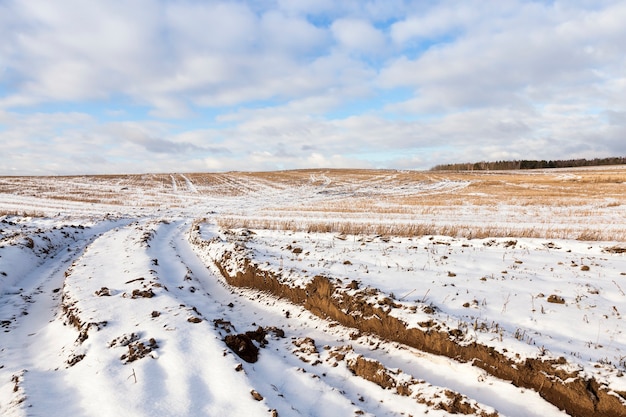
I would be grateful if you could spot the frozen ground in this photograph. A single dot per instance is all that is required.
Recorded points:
(109, 307)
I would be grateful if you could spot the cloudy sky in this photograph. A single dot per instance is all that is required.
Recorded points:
(187, 85)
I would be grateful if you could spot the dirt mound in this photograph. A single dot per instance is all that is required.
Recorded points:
(243, 346)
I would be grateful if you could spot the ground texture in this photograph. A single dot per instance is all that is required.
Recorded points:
(314, 293)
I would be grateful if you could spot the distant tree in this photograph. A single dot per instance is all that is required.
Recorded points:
(529, 164)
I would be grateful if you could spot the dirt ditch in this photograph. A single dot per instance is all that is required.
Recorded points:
(577, 395)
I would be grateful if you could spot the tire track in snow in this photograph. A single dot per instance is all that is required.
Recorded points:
(190, 185)
(27, 347)
(174, 185)
(287, 383)
(277, 372)
(146, 253)
(143, 302)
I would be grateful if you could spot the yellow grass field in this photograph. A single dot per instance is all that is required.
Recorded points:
(576, 203)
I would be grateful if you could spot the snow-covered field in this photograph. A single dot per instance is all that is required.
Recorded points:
(115, 295)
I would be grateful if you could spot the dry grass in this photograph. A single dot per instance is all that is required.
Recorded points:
(21, 213)
(468, 231)
(583, 203)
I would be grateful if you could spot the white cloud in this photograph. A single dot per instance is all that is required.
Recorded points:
(293, 35)
(489, 66)
(436, 22)
(219, 27)
(358, 35)
(277, 84)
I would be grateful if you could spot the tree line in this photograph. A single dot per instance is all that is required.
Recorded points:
(529, 164)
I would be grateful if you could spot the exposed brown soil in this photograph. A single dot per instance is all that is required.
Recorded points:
(243, 346)
(372, 371)
(556, 299)
(72, 318)
(143, 293)
(74, 359)
(390, 379)
(138, 350)
(103, 292)
(615, 249)
(124, 340)
(577, 395)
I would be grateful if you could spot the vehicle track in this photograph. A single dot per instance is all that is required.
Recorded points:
(30, 315)
(142, 283)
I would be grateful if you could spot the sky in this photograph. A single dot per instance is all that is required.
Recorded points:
(140, 86)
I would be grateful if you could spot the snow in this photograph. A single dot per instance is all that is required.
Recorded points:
(87, 282)
(479, 282)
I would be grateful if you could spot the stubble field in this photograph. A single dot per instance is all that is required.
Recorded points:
(314, 292)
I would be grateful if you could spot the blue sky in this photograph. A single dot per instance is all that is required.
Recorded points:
(183, 86)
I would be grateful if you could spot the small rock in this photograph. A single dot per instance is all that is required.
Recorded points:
(256, 395)
(553, 298)
(103, 292)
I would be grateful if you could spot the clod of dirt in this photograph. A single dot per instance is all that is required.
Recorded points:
(305, 345)
(194, 319)
(84, 330)
(278, 333)
(551, 245)
(553, 298)
(143, 293)
(74, 359)
(258, 336)
(155, 314)
(371, 370)
(256, 395)
(243, 346)
(430, 309)
(615, 249)
(138, 350)
(457, 404)
(103, 292)
(124, 340)
(223, 325)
